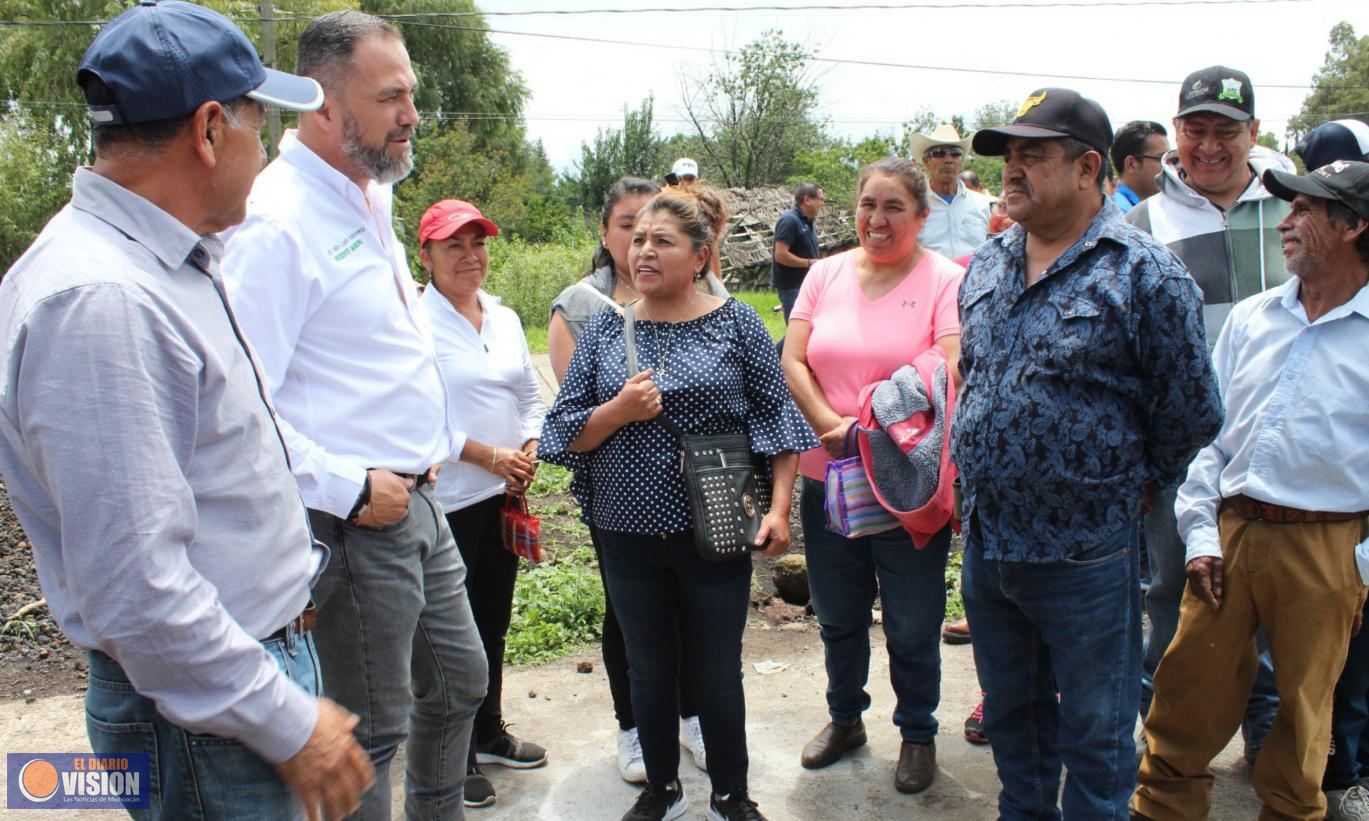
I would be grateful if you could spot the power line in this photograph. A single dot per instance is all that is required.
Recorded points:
(1007, 4)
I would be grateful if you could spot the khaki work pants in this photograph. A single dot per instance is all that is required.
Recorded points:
(1300, 583)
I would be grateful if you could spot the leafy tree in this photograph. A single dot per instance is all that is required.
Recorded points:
(1340, 90)
(633, 149)
(754, 113)
(35, 173)
(837, 165)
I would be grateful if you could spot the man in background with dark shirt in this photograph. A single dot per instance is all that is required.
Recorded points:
(796, 244)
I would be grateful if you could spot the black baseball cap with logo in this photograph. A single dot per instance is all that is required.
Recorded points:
(1219, 90)
(1050, 113)
(1343, 180)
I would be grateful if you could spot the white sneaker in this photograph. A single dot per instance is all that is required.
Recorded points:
(630, 764)
(1348, 805)
(692, 739)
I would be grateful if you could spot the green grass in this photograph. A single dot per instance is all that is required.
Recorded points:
(558, 605)
(955, 606)
(764, 302)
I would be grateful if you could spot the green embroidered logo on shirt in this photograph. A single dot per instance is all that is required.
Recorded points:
(343, 249)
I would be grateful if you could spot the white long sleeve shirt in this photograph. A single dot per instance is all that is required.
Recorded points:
(141, 458)
(957, 228)
(1296, 431)
(321, 286)
(495, 396)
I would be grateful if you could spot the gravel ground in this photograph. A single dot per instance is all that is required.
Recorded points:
(35, 658)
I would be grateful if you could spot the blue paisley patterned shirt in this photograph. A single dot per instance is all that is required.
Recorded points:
(1077, 390)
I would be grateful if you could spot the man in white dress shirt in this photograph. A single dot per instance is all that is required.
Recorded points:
(321, 285)
(1273, 516)
(959, 218)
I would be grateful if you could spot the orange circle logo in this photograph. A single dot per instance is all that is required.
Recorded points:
(38, 780)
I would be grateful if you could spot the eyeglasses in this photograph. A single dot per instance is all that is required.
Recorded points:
(942, 151)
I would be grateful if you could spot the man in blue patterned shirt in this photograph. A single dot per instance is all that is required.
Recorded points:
(1087, 381)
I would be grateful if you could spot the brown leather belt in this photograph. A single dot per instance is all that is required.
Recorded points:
(302, 623)
(1256, 511)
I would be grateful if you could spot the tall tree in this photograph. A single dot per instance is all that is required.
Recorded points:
(633, 149)
(754, 112)
(1340, 90)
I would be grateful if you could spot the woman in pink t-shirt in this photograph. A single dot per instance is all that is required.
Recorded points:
(859, 317)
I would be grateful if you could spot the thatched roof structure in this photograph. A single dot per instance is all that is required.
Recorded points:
(749, 242)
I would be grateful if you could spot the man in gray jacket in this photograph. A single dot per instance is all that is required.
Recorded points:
(1215, 214)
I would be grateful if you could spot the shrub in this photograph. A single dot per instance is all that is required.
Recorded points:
(528, 276)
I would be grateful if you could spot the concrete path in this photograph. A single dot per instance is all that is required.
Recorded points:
(571, 714)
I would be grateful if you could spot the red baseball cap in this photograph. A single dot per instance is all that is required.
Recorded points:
(446, 217)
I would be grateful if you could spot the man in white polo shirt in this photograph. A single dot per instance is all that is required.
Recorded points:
(322, 288)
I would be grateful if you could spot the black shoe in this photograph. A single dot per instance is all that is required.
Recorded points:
(509, 751)
(659, 803)
(479, 792)
(733, 807)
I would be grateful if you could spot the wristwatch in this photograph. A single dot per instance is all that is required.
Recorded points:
(363, 500)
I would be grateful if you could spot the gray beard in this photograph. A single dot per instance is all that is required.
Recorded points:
(378, 163)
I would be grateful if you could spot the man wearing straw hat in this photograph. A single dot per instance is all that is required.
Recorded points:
(959, 220)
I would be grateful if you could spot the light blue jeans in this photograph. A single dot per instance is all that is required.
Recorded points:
(400, 649)
(194, 776)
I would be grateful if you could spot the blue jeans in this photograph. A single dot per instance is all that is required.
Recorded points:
(399, 648)
(1070, 627)
(842, 576)
(194, 776)
(788, 296)
(1350, 719)
(665, 595)
(1168, 578)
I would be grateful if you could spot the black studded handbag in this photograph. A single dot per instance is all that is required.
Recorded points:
(729, 486)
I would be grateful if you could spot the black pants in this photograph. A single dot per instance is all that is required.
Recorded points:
(490, 575)
(615, 658)
(670, 600)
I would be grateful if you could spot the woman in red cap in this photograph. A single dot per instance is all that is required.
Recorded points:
(494, 401)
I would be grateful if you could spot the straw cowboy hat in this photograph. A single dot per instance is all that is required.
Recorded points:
(944, 134)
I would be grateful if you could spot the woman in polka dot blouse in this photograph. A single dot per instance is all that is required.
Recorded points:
(708, 364)
(859, 317)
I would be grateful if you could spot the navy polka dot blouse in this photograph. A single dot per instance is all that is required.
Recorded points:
(718, 373)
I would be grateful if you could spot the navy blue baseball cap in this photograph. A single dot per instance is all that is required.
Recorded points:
(162, 60)
(1336, 140)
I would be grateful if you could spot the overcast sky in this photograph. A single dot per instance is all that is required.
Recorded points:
(578, 87)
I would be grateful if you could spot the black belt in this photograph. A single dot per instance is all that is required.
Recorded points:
(302, 623)
(419, 479)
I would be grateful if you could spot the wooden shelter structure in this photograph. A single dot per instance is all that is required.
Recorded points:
(749, 241)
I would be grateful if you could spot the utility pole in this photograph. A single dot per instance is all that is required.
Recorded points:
(268, 53)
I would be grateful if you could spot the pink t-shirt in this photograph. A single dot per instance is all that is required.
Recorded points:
(855, 342)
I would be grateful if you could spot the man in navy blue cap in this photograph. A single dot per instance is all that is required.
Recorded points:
(1086, 378)
(166, 527)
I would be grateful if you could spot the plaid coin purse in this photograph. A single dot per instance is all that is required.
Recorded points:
(521, 531)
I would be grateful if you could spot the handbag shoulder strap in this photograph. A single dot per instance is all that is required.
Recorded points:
(630, 348)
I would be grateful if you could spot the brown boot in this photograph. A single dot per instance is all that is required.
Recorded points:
(916, 767)
(956, 632)
(831, 743)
